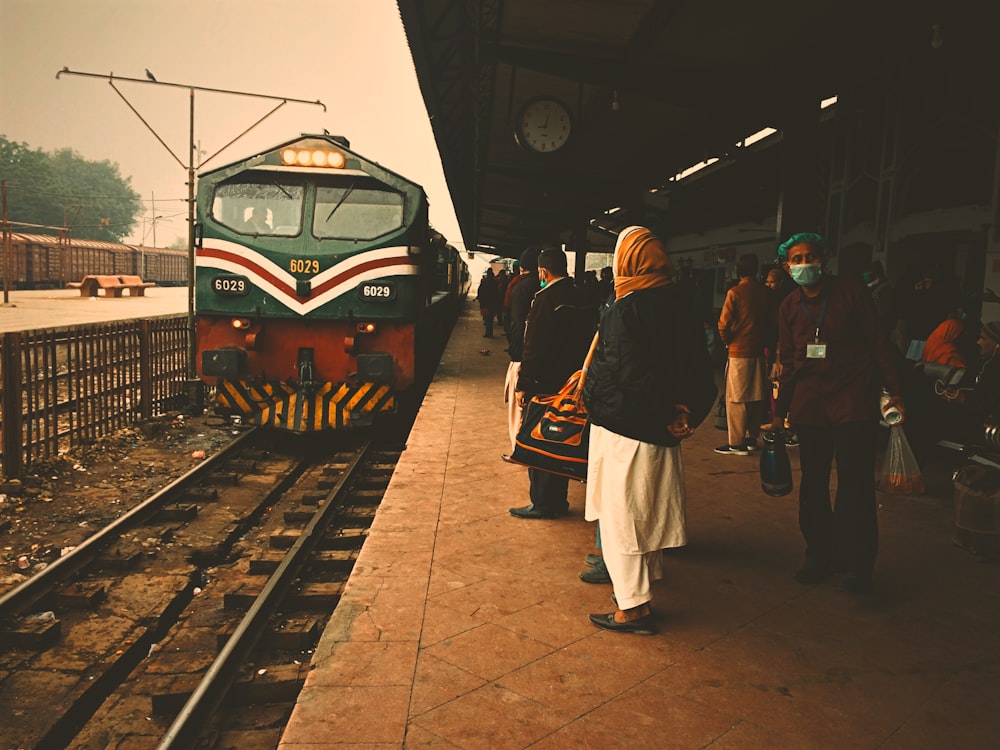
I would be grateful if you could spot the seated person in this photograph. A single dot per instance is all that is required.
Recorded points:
(979, 398)
(939, 384)
(257, 224)
(949, 343)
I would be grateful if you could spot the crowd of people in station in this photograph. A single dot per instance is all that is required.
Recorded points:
(811, 356)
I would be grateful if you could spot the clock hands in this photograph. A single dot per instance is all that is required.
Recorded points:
(543, 125)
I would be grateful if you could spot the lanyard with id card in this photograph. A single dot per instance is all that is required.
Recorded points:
(817, 349)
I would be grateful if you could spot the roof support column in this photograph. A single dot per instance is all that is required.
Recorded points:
(800, 199)
(580, 246)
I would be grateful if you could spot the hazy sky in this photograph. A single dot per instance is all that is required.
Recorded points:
(350, 54)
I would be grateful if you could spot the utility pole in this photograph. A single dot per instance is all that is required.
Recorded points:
(6, 242)
(193, 384)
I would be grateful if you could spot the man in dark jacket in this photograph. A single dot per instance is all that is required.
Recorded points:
(488, 295)
(557, 335)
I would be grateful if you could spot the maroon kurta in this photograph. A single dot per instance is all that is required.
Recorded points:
(844, 387)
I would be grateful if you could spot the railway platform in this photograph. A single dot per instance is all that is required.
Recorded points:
(464, 627)
(28, 310)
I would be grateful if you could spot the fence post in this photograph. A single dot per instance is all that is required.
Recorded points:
(145, 370)
(13, 421)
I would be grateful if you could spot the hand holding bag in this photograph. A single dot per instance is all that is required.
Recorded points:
(554, 435)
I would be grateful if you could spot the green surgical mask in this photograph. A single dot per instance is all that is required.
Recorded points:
(806, 274)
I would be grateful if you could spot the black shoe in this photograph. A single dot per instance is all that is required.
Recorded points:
(812, 572)
(752, 446)
(530, 511)
(596, 574)
(855, 583)
(642, 626)
(732, 450)
(592, 560)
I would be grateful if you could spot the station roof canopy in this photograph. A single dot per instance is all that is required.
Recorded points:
(652, 88)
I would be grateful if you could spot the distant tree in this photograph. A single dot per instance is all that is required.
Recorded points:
(64, 189)
(180, 243)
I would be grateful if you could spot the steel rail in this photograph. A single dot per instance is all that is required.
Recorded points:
(211, 691)
(15, 601)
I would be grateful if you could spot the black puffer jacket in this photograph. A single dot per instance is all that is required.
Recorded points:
(651, 354)
(557, 335)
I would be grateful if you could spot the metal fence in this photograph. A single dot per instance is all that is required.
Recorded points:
(64, 388)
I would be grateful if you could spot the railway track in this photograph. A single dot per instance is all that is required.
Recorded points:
(212, 593)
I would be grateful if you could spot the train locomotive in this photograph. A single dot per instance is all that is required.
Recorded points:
(321, 289)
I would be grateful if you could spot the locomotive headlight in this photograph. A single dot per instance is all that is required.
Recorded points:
(312, 158)
(366, 328)
(241, 323)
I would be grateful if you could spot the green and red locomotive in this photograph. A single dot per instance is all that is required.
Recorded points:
(319, 286)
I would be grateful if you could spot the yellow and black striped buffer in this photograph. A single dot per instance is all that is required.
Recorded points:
(329, 406)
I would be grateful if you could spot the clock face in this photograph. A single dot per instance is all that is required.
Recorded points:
(543, 125)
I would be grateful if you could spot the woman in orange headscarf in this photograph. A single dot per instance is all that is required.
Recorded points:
(650, 383)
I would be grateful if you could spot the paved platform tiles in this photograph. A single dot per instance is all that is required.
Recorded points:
(463, 627)
(28, 310)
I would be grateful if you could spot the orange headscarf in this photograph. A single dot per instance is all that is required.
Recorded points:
(941, 347)
(640, 262)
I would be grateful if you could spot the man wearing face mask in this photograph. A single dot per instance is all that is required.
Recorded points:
(835, 360)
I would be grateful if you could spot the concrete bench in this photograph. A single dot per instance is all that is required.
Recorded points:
(135, 285)
(113, 286)
(91, 285)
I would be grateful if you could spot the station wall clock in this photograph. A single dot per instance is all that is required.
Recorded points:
(543, 125)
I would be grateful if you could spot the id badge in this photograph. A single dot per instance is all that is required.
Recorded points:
(816, 351)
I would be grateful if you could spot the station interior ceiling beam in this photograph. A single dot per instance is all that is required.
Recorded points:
(654, 87)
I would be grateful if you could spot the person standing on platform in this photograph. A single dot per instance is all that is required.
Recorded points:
(488, 295)
(649, 385)
(522, 289)
(744, 326)
(557, 336)
(505, 302)
(503, 279)
(835, 361)
(780, 284)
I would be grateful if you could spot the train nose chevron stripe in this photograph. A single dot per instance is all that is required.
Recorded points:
(339, 279)
(275, 404)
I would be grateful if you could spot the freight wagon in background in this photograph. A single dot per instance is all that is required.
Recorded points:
(44, 261)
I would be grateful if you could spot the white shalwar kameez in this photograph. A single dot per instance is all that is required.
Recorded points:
(510, 398)
(635, 491)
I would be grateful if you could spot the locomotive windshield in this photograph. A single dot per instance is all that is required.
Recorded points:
(261, 206)
(352, 211)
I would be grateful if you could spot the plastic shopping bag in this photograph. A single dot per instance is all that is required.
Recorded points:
(900, 471)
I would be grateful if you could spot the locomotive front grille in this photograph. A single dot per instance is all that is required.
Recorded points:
(328, 406)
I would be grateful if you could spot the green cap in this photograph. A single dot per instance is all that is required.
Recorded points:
(810, 238)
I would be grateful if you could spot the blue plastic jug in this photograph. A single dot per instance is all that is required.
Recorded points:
(775, 469)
